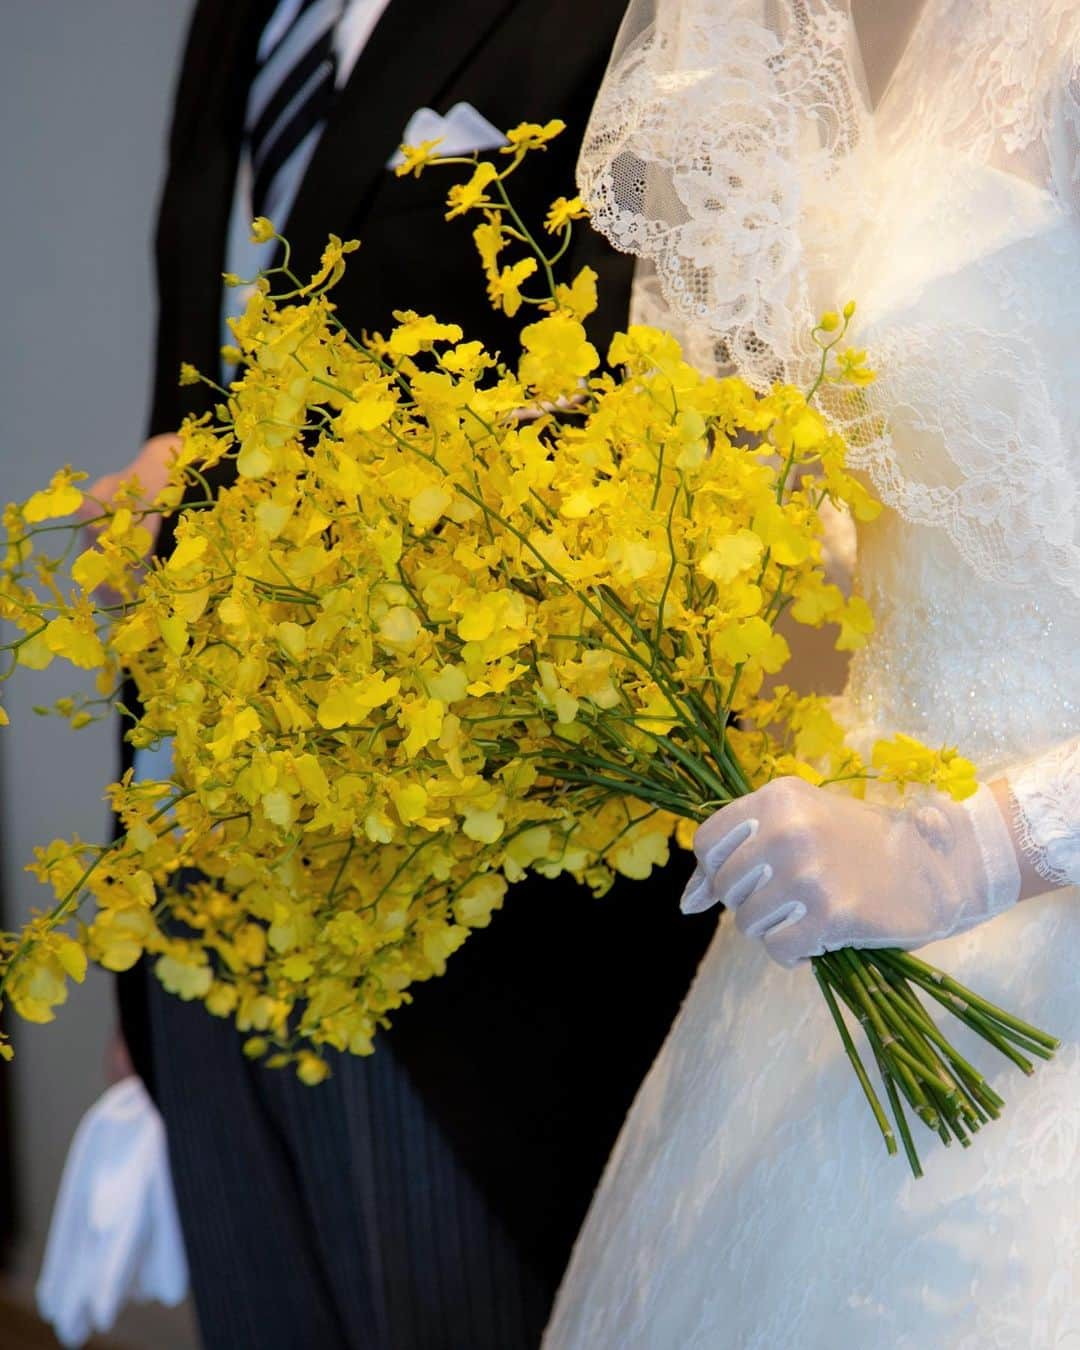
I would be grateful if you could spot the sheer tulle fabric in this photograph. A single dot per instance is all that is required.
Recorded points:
(734, 150)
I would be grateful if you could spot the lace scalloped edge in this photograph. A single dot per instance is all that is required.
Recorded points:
(1032, 847)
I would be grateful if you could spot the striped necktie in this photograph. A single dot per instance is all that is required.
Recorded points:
(290, 97)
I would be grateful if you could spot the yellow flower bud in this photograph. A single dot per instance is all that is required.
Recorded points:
(311, 1069)
(262, 230)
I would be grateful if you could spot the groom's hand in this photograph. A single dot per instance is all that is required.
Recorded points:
(118, 1065)
(150, 466)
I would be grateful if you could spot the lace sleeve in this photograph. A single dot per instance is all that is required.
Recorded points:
(1046, 807)
(716, 124)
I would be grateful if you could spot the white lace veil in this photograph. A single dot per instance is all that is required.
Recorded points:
(733, 148)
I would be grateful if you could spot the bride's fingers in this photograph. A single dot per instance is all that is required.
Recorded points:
(789, 944)
(774, 912)
(746, 863)
(768, 912)
(697, 893)
(745, 871)
(701, 892)
(732, 863)
(783, 802)
(723, 832)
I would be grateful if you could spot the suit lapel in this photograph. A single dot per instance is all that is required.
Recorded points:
(207, 139)
(413, 55)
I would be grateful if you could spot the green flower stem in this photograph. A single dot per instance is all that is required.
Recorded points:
(863, 1007)
(1029, 1047)
(980, 1111)
(961, 1133)
(340, 872)
(916, 1060)
(568, 231)
(901, 1120)
(673, 567)
(919, 1101)
(926, 1073)
(957, 1116)
(633, 783)
(969, 1076)
(823, 978)
(896, 1015)
(981, 1022)
(585, 778)
(905, 961)
(847, 960)
(698, 768)
(944, 1088)
(519, 224)
(987, 1029)
(893, 1074)
(913, 1041)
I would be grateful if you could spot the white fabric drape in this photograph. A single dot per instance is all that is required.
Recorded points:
(734, 150)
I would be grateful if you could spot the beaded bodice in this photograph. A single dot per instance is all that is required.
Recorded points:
(958, 660)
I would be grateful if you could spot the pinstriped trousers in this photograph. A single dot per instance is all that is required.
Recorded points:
(329, 1218)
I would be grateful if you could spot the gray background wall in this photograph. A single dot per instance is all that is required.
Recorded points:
(85, 89)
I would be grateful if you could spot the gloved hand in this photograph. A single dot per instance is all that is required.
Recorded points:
(809, 871)
(115, 1233)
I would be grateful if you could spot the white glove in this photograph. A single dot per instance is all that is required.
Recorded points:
(809, 871)
(115, 1233)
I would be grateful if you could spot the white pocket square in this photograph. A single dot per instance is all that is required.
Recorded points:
(115, 1232)
(461, 132)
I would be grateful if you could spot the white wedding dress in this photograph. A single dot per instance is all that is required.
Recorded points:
(749, 1203)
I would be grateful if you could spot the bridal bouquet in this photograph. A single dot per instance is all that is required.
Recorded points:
(455, 620)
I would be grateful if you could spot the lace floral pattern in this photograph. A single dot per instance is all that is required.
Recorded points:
(749, 1204)
(999, 475)
(992, 79)
(694, 160)
(733, 150)
(1046, 797)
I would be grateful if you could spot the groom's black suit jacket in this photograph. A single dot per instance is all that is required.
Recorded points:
(529, 1051)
